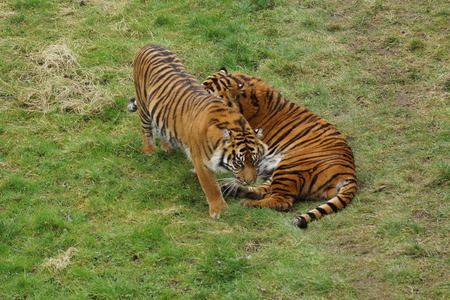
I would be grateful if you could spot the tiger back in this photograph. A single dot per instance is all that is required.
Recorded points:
(308, 158)
(173, 104)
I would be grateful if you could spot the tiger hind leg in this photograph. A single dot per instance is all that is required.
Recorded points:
(166, 146)
(150, 145)
(148, 142)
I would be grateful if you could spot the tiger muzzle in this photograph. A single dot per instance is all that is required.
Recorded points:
(247, 175)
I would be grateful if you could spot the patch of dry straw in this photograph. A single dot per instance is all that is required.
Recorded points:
(60, 262)
(58, 82)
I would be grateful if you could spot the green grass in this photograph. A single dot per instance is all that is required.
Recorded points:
(85, 215)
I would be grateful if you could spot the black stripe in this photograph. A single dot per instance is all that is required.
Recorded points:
(312, 216)
(321, 211)
(333, 207)
(342, 201)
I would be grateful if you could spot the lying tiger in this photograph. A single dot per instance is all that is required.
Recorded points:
(173, 104)
(307, 158)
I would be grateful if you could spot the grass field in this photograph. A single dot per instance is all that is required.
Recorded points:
(85, 215)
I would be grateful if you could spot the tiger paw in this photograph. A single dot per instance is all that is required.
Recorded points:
(149, 148)
(214, 212)
(269, 202)
(166, 146)
(250, 203)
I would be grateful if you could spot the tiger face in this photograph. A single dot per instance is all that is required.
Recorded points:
(241, 154)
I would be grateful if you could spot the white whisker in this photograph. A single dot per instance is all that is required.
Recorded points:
(226, 180)
(230, 189)
(227, 189)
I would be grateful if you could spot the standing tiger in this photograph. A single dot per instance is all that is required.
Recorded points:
(308, 158)
(215, 137)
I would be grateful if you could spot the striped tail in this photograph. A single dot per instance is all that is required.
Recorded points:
(132, 105)
(335, 204)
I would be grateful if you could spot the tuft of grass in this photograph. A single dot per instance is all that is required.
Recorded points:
(162, 20)
(416, 45)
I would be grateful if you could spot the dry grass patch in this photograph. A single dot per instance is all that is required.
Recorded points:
(57, 59)
(60, 262)
(56, 81)
(5, 12)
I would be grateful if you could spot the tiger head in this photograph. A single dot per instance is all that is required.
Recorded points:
(241, 154)
(232, 91)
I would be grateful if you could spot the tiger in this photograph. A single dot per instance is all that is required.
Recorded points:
(307, 159)
(216, 138)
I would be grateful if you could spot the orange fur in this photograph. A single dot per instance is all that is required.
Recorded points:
(173, 104)
(308, 158)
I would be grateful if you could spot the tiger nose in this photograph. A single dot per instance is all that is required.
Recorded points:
(248, 182)
(250, 179)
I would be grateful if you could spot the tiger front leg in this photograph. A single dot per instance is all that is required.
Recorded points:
(255, 193)
(211, 188)
(276, 201)
(284, 190)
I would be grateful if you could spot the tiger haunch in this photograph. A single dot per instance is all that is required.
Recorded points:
(173, 104)
(308, 158)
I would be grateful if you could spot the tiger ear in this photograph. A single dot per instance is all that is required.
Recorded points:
(259, 132)
(241, 87)
(223, 70)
